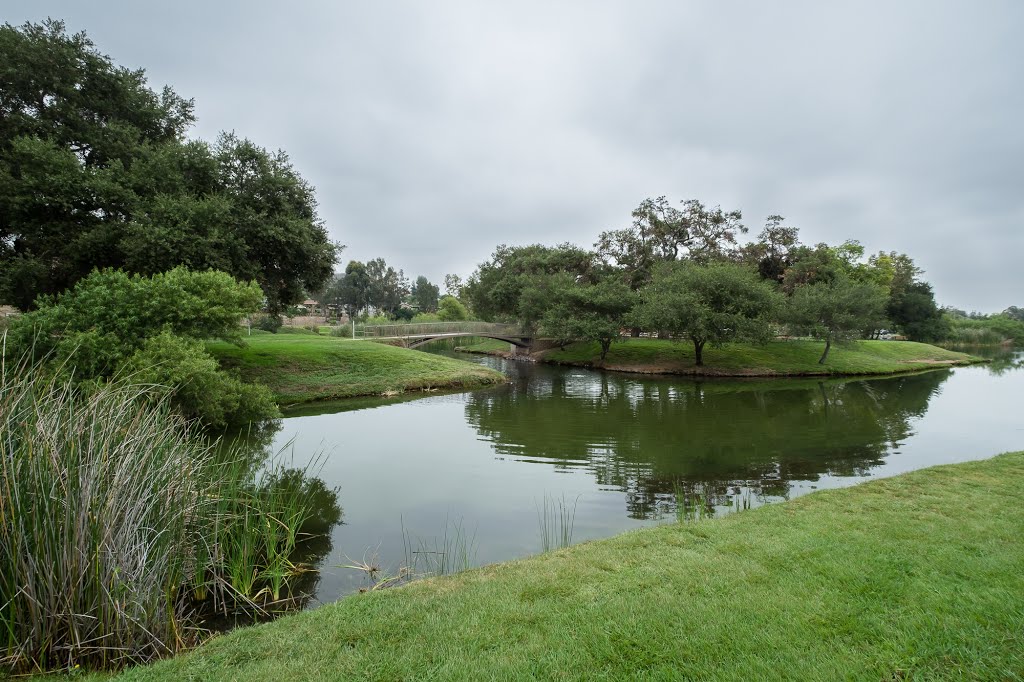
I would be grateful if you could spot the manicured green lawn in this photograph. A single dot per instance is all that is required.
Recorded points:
(920, 576)
(777, 357)
(305, 367)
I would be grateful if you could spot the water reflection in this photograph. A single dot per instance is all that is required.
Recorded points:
(645, 437)
(626, 450)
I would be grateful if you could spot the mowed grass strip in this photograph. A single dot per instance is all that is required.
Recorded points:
(306, 367)
(913, 577)
(793, 358)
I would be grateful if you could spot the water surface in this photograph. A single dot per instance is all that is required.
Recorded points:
(624, 449)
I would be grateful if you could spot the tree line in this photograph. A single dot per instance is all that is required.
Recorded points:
(376, 286)
(680, 271)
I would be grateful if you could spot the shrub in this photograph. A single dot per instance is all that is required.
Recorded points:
(182, 370)
(113, 322)
(268, 323)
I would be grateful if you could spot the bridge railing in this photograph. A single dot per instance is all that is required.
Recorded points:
(378, 331)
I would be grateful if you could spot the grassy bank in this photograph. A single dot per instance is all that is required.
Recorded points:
(306, 367)
(793, 358)
(912, 577)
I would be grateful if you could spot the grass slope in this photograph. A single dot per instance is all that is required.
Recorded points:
(305, 367)
(913, 577)
(795, 358)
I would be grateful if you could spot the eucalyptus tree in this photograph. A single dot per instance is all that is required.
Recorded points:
(425, 295)
(387, 287)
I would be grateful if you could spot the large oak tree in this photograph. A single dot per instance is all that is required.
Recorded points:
(96, 171)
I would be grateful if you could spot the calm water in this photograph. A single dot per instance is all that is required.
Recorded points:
(620, 447)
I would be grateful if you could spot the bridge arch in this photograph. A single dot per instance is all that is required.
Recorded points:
(517, 341)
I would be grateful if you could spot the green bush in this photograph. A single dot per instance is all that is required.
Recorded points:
(268, 323)
(181, 369)
(113, 323)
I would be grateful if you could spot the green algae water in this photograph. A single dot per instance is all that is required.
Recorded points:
(476, 473)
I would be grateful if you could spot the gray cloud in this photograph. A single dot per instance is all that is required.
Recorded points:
(434, 131)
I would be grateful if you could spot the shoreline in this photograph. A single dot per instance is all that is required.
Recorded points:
(306, 368)
(662, 366)
(842, 580)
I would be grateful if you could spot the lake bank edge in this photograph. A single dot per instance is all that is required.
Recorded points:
(673, 366)
(302, 369)
(939, 540)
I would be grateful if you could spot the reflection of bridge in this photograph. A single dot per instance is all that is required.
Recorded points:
(413, 335)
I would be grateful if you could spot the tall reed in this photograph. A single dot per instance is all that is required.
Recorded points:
(101, 503)
(556, 519)
(119, 524)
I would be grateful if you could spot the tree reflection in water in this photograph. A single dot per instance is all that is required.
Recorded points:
(717, 440)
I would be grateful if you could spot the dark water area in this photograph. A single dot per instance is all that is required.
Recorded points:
(623, 451)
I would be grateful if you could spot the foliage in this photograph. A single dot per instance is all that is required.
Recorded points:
(915, 313)
(450, 309)
(424, 294)
(771, 253)
(181, 369)
(387, 287)
(113, 323)
(453, 285)
(661, 232)
(985, 330)
(588, 311)
(96, 172)
(1014, 313)
(268, 322)
(512, 284)
(351, 290)
(713, 304)
(835, 310)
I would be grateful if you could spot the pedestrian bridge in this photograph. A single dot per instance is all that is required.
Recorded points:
(417, 334)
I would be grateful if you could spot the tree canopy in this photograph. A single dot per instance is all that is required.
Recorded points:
(96, 172)
(425, 295)
(662, 232)
(836, 310)
(712, 303)
(588, 310)
(512, 285)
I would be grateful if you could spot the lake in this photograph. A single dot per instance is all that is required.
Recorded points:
(620, 451)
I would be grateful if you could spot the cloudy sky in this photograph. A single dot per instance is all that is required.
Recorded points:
(434, 131)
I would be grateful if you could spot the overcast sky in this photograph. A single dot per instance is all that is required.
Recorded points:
(434, 131)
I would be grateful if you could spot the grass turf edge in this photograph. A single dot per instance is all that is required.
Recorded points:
(914, 575)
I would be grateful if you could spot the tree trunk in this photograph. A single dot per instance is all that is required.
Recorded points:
(828, 345)
(634, 332)
(605, 345)
(698, 352)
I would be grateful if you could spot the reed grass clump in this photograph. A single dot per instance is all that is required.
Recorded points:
(101, 504)
(556, 518)
(120, 525)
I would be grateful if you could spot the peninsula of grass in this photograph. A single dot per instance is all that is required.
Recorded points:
(778, 358)
(912, 577)
(307, 367)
